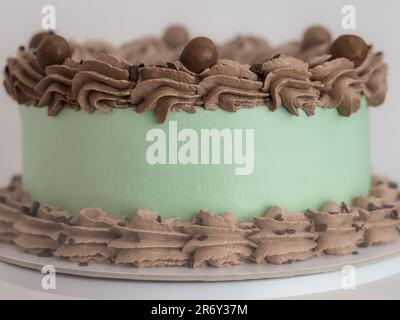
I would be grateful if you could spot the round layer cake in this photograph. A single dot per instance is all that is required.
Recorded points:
(170, 152)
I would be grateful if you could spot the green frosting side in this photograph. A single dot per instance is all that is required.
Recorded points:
(77, 160)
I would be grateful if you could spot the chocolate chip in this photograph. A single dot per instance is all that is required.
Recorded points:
(83, 264)
(33, 210)
(159, 219)
(53, 50)
(277, 56)
(363, 245)
(354, 253)
(25, 210)
(290, 231)
(202, 237)
(393, 185)
(134, 72)
(345, 208)
(333, 212)
(279, 232)
(171, 65)
(279, 217)
(257, 69)
(62, 237)
(199, 54)
(45, 253)
(372, 207)
(322, 227)
(21, 48)
(356, 227)
(3, 199)
(350, 47)
(394, 215)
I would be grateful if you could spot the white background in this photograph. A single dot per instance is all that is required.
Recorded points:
(121, 20)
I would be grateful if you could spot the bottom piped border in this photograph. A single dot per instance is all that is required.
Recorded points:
(148, 240)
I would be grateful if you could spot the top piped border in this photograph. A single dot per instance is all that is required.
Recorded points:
(243, 73)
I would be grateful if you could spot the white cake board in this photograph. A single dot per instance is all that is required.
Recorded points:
(93, 282)
(325, 263)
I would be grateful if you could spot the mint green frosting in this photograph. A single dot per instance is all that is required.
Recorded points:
(76, 160)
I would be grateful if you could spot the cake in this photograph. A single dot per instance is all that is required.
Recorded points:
(167, 151)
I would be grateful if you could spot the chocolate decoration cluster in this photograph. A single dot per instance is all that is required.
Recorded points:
(52, 50)
(199, 54)
(351, 47)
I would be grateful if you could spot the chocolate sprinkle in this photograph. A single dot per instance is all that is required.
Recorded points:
(134, 72)
(291, 231)
(393, 185)
(372, 207)
(202, 238)
(45, 253)
(356, 227)
(159, 219)
(394, 215)
(279, 232)
(279, 218)
(354, 253)
(363, 245)
(83, 264)
(322, 227)
(62, 237)
(34, 209)
(171, 65)
(345, 208)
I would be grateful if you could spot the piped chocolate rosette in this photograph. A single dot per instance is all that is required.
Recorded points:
(218, 241)
(22, 74)
(380, 220)
(165, 88)
(10, 210)
(150, 241)
(288, 82)
(41, 229)
(231, 86)
(86, 239)
(56, 87)
(283, 237)
(338, 231)
(102, 84)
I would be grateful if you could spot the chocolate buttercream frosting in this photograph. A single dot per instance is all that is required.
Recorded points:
(231, 86)
(337, 229)
(142, 75)
(102, 84)
(165, 88)
(283, 237)
(341, 85)
(379, 218)
(288, 81)
(217, 241)
(208, 240)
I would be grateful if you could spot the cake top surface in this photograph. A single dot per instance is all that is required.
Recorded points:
(172, 73)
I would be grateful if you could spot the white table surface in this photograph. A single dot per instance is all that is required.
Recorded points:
(13, 288)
